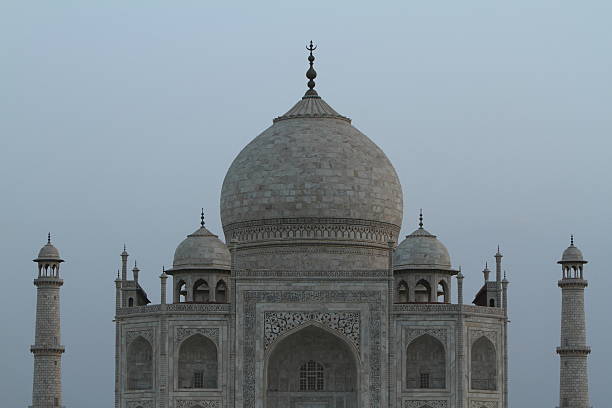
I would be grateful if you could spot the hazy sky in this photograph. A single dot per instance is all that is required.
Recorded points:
(118, 121)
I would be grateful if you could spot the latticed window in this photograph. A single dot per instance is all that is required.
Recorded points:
(198, 379)
(311, 376)
(425, 380)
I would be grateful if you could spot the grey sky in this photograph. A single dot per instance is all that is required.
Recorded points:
(118, 121)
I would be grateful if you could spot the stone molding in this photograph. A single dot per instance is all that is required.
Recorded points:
(483, 404)
(147, 334)
(139, 403)
(425, 403)
(176, 307)
(446, 307)
(311, 228)
(251, 298)
(250, 273)
(201, 403)
(475, 334)
(347, 324)
(211, 333)
(414, 333)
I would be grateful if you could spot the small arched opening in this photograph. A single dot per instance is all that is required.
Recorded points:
(442, 292)
(181, 292)
(402, 292)
(197, 365)
(201, 291)
(491, 302)
(422, 291)
(221, 292)
(131, 302)
(484, 365)
(139, 365)
(426, 363)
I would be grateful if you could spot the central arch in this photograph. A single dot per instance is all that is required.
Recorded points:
(312, 368)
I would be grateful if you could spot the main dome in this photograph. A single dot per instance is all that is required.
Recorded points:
(312, 176)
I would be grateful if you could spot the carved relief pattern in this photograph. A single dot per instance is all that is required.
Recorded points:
(277, 323)
(140, 403)
(441, 307)
(311, 228)
(183, 332)
(199, 403)
(176, 307)
(147, 334)
(483, 404)
(439, 334)
(426, 403)
(491, 335)
(249, 323)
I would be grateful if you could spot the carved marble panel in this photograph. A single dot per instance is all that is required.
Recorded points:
(147, 334)
(199, 403)
(210, 332)
(426, 404)
(483, 404)
(489, 334)
(345, 323)
(439, 334)
(139, 404)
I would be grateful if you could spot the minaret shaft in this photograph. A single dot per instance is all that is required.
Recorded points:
(573, 351)
(47, 349)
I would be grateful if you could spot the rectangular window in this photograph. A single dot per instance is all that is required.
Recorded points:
(198, 379)
(424, 380)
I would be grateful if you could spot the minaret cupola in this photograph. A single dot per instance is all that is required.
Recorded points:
(48, 260)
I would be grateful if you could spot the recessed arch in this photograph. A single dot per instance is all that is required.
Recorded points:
(311, 362)
(139, 364)
(422, 291)
(201, 291)
(426, 363)
(221, 292)
(402, 292)
(483, 368)
(198, 363)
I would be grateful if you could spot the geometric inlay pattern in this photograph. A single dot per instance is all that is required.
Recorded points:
(199, 403)
(426, 404)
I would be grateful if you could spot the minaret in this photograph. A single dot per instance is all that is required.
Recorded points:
(47, 348)
(498, 277)
(574, 387)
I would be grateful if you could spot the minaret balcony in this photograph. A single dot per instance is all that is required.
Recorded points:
(574, 350)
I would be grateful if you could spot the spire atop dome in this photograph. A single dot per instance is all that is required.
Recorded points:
(572, 240)
(311, 74)
(421, 218)
(49, 238)
(202, 218)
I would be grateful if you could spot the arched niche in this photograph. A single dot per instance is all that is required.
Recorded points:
(139, 365)
(426, 363)
(483, 368)
(309, 365)
(422, 291)
(443, 295)
(180, 295)
(198, 363)
(201, 291)
(221, 292)
(402, 292)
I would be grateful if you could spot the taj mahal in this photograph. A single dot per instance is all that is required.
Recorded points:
(312, 300)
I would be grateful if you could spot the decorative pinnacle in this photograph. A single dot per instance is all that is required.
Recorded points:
(486, 266)
(49, 238)
(202, 217)
(572, 240)
(311, 74)
(124, 248)
(421, 218)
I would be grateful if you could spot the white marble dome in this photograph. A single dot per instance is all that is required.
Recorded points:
(311, 163)
(48, 253)
(421, 250)
(572, 254)
(201, 250)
